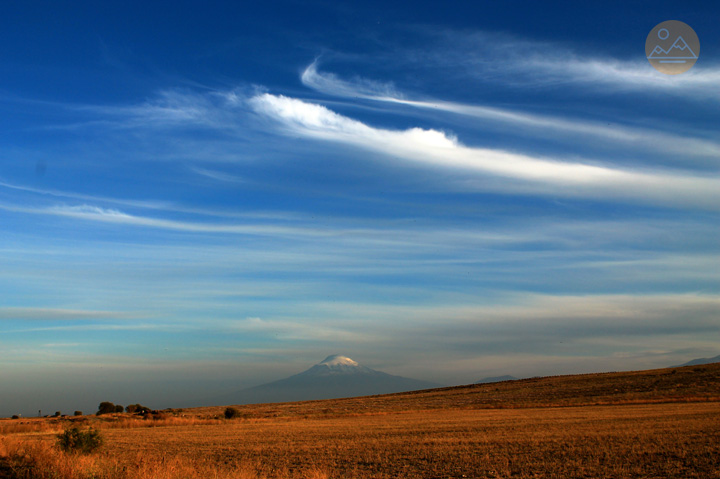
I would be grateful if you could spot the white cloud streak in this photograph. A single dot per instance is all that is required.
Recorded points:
(330, 84)
(357, 88)
(522, 173)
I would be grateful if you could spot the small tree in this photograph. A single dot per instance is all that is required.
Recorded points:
(74, 440)
(78, 413)
(105, 408)
(119, 408)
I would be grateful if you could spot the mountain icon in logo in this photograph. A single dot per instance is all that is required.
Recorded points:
(679, 50)
(672, 47)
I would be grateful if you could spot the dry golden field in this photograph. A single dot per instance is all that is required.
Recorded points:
(651, 424)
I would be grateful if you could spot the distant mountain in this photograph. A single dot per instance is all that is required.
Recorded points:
(336, 376)
(696, 362)
(496, 379)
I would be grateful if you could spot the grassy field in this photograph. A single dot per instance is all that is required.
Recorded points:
(660, 423)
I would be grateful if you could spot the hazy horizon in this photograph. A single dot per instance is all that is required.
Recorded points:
(65, 400)
(213, 196)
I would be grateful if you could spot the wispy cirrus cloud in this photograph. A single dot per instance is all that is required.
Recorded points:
(84, 197)
(166, 108)
(522, 173)
(569, 128)
(90, 202)
(218, 175)
(519, 324)
(531, 323)
(494, 57)
(636, 75)
(358, 87)
(294, 329)
(530, 314)
(60, 314)
(109, 215)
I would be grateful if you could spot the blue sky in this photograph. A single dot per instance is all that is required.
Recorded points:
(202, 196)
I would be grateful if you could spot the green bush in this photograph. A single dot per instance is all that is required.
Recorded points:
(74, 440)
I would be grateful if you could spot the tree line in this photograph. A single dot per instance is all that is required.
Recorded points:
(107, 407)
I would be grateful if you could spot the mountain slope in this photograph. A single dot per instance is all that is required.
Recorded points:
(691, 384)
(335, 377)
(696, 362)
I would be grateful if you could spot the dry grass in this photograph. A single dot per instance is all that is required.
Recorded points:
(650, 424)
(115, 421)
(37, 459)
(659, 440)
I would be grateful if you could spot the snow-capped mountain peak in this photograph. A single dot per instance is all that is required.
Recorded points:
(335, 377)
(338, 364)
(338, 360)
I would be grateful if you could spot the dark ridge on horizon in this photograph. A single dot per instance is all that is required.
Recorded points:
(699, 383)
(497, 379)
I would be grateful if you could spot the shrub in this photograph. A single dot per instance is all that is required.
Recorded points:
(78, 413)
(74, 440)
(137, 409)
(231, 413)
(119, 408)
